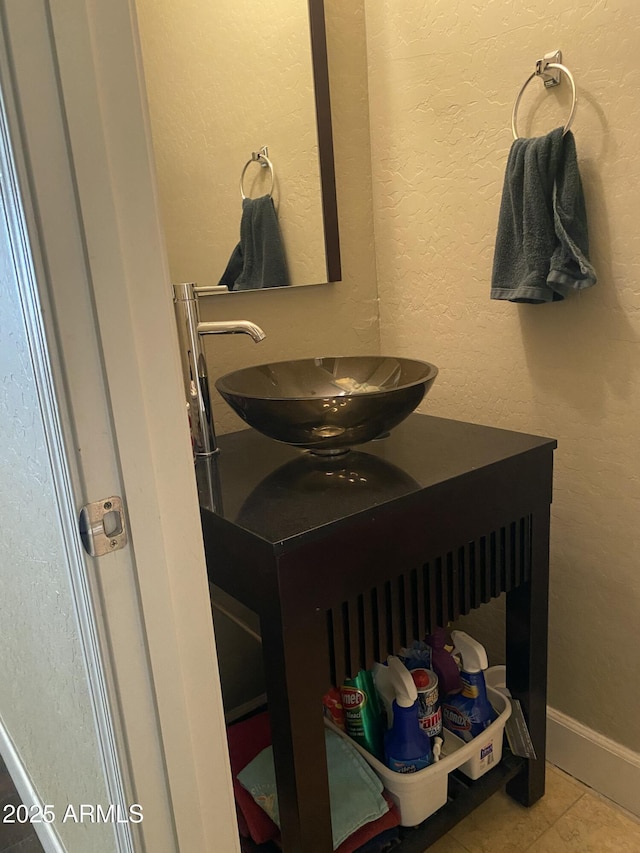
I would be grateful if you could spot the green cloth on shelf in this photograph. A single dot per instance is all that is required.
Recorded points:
(355, 791)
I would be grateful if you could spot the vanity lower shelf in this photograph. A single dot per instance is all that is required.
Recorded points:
(463, 797)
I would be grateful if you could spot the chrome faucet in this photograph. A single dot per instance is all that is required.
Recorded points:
(194, 369)
(232, 327)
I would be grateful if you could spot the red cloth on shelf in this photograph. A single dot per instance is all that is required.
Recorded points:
(242, 823)
(246, 740)
(371, 829)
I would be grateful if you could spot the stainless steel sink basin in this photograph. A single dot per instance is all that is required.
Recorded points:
(328, 405)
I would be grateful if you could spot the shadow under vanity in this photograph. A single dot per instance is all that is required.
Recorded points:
(345, 560)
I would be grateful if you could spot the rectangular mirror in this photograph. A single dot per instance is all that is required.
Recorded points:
(225, 79)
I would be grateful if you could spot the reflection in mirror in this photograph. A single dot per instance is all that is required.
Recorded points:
(239, 103)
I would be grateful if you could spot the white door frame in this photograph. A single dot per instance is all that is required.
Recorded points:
(15, 210)
(80, 120)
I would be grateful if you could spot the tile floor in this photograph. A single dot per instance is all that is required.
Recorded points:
(570, 818)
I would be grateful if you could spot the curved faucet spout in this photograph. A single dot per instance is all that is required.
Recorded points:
(232, 327)
(194, 368)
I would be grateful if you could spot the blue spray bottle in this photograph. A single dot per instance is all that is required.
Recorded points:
(407, 746)
(469, 712)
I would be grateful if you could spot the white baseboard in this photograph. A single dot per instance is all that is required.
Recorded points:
(602, 764)
(46, 832)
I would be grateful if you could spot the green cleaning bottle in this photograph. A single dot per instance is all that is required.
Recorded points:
(362, 714)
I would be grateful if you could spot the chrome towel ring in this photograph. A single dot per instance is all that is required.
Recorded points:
(262, 158)
(553, 61)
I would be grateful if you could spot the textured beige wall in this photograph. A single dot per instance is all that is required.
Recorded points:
(443, 79)
(340, 318)
(224, 79)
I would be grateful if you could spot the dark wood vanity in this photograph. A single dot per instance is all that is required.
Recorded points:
(348, 558)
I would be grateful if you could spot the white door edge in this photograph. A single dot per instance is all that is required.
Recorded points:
(51, 406)
(75, 73)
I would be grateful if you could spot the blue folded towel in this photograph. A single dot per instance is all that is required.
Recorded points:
(542, 244)
(355, 791)
(258, 260)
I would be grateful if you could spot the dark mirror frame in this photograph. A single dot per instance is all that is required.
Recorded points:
(325, 138)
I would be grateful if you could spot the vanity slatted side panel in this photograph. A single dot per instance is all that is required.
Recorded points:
(378, 622)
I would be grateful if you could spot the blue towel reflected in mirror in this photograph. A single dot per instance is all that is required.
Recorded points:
(258, 261)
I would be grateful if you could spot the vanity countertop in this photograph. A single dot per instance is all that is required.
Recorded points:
(285, 496)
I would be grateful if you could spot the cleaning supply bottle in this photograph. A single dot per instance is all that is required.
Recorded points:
(386, 692)
(469, 712)
(443, 663)
(407, 747)
(362, 716)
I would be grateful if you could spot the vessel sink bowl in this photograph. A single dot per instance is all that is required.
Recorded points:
(328, 405)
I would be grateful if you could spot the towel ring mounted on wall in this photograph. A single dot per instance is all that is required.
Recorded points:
(551, 60)
(262, 158)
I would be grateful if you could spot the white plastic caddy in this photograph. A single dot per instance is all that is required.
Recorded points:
(419, 795)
